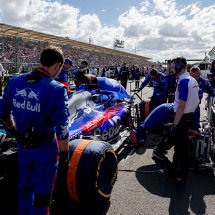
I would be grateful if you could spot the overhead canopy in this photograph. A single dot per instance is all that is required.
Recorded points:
(34, 35)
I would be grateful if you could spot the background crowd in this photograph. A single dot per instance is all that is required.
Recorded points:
(26, 53)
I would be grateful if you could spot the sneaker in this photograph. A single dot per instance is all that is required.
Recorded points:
(158, 155)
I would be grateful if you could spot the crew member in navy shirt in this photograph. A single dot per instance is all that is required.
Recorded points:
(171, 80)
(159, 82)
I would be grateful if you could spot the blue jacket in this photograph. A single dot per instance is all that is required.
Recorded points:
(40, 104)
(204, 85)
(159, 84)
(160, 115)
(75, 72)
(63, 78)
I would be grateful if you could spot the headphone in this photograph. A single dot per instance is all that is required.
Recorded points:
(178, 65)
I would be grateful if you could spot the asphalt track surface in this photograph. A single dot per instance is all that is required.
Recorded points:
(141, 187)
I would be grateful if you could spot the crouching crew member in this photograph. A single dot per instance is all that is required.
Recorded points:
(186, 101)
(204, 85)
(63, 77)
(83, 67)
(39, 105)
(159, 82)
(86, 82)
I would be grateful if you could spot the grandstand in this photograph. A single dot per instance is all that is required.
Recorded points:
(21, 47)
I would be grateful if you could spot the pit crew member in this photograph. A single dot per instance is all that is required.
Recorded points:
(204, 85)
(212, 71)
(86, 81)
(63, 77)
(39, 106)
(159, 82)
(186, 101)
(83, 67)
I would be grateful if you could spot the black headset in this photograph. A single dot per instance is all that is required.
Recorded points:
(178, 65)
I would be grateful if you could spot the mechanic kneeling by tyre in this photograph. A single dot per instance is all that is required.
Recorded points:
(38, 104)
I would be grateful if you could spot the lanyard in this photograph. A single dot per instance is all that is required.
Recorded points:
(43, 71)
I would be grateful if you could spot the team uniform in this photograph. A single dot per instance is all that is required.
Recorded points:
(124, 73)
(39, 106)
(63, 78)
(171, 82)
(187, 90)
(162, 114)
(212, 71)
(204, 85)
(160, 86)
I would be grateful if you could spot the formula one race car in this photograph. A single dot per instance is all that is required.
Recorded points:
(102, 114)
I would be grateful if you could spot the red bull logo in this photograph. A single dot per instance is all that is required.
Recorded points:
(27, 94)
(26, 105)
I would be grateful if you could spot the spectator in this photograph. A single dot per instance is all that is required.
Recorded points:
(137, 78)
(93, 71)
(107, 72)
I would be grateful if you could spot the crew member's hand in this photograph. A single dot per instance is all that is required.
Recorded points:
(173, 129)
(64, 161)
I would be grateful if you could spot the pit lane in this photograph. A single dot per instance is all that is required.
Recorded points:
(142, 189)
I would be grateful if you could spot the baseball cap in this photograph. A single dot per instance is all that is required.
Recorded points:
(69, 61)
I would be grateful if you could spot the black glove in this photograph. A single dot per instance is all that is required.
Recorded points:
(64, 161)
(13, 132)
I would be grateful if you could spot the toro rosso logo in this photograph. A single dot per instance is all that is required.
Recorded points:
(79, 112)
(27, 93)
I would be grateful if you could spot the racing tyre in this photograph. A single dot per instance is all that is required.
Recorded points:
(146, 107)
(92, 171)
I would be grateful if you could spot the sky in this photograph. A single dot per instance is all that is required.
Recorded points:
(158, 29)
